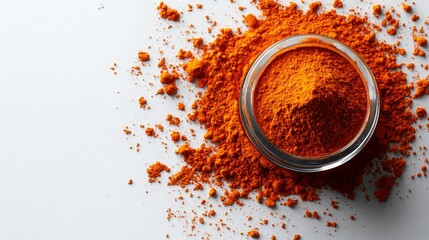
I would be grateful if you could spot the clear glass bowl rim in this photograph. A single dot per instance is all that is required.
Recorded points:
(290, 161)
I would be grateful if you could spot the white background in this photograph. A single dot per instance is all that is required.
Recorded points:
(65, 162)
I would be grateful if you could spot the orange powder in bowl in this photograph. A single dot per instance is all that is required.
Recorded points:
(310, 101)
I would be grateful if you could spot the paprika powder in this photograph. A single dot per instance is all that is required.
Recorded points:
(310, 101)
(323, 113)
(232, 160)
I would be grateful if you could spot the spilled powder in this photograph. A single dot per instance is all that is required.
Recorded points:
(227, 161)
(143, 56)
(168, 13)
(234, 161)
(154, 171)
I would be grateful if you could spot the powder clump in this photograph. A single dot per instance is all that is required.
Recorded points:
(171, 89)
(142, 102)
(250, 20)
(168, 13)
(154, 171)
(338, 4)
(194, 69)
(376, 9)
(421, 41)
(407, 8)
(421, 88)
(254, 233)
(167, 77)
(314, 6)
(421, 112)
(143, 56)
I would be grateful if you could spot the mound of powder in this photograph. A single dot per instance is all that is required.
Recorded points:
(310, 101)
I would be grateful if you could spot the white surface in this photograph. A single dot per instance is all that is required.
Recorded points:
(64, 160)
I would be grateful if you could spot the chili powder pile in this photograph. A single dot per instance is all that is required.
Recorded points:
(230, 159)
(310, 101)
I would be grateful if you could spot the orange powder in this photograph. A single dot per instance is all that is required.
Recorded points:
(155, 170)
(338, 4)
(143, 56)
(254, 233)
(233, 159)
(168, 13)
(305, 107)
(310, 102)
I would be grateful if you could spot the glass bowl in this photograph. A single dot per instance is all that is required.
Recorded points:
(294, 162)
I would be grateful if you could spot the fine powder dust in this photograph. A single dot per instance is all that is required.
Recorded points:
(236, 163)
(310, 101)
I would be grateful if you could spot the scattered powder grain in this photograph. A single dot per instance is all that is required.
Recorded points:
(338, 4)
(421, 88)
(376, 9)
(419, 52)
(160, 127)
(161, 63)
(168, 13)
(291, 202)
(154, 171)
(308, 214)
(331, 224)
(150, 132)
(421, 41)
(143, 56)
(194, 69)
(171, 89)
(391, 31)
(142, 102)
(175, 136)
(168, 78)
(407, 8)
(173, 120)
(127, 131)
(197, 42)
(334, 204)
(181, 106)
(254, 233)
(251, 20)
(421, 112)
(314, 6)
(316, 215)
(184, 54)
(212, 192)
(269, 202)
